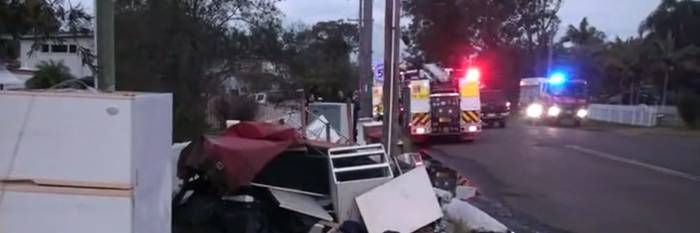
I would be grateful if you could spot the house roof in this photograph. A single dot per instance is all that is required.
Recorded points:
(59, 35)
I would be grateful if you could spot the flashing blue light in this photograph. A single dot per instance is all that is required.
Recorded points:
(557, 78)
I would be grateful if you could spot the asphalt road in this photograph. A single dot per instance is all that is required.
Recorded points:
(584, 180)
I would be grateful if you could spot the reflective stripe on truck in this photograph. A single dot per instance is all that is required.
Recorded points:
(471, 117)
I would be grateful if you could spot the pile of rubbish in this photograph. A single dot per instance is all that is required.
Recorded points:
(264, 178)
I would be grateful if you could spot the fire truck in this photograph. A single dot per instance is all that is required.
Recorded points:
(554, 100)
(441, 102)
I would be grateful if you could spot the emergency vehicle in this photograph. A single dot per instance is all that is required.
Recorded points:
(438, 101)
(554, 99)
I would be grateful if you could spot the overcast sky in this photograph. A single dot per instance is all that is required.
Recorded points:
(614, 17)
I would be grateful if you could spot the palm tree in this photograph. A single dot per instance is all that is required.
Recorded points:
(584, 34)
(679, 18)
(49, 74)
(584, 54)
(624, 64)
(672, 59)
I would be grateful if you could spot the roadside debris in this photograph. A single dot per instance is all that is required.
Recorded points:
(404, 204)
(463, 192)
(321, 130)
(78, 161)
(463, 215)
(300, 203)
(231, 160)
(354, 171)
(264, 178)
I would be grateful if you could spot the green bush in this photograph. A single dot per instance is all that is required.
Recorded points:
(49, 74)
(689, 110)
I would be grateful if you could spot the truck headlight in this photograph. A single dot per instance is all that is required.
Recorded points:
(554, 111)
(582, 113)
(534, 110)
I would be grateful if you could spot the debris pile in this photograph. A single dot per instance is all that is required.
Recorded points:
(264, 178)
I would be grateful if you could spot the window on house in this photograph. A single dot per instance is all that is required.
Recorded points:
(44, 48)
(73, 48)
(59, 48)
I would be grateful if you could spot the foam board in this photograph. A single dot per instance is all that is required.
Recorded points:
(404, 204)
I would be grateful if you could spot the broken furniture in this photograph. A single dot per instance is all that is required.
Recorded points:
(76, 161)
(301, 203)
(355, 170)
(336, 114)
(267, 162)
(404, 204)
(304, 170)
(372, 131)
(471, 218)
(232, 159)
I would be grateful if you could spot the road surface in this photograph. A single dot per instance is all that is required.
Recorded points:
(585, 180)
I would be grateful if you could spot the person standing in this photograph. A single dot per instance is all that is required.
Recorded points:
(355, 112)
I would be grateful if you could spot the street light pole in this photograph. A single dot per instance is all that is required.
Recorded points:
(104, 37)
(391, 75)
(365, 58)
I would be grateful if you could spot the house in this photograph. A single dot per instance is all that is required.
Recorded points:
(62, 47)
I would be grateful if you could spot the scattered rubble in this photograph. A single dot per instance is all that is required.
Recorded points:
(254, 177)
(404, 204)
(263, 178)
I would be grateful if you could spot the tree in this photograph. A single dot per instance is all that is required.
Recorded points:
(678, 18)
(509, 40)
(188, 48)
(581, 50)
(318, 58)
(49, 74)
(40, 18)
(450, 31)
(672, 60)
(583, 35)
(622, 63)
(540, 23)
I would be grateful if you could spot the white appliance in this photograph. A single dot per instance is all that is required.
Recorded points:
(336, 114)
(75, 161)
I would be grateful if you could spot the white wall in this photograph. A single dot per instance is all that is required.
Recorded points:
(30, 59)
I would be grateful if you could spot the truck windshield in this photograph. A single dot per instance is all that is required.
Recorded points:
(568, 89)
(492, 96)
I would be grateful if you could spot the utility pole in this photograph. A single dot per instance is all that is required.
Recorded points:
(365, 58)
(550, 53)
(104, 37)
(391, 75)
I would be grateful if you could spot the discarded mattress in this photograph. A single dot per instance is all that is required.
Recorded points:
(232, 159)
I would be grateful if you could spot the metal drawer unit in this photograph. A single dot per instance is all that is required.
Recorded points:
(354, 171)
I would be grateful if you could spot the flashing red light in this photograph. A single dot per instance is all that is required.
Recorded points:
(473, 74)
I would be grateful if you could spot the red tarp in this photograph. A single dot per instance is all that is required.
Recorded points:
(235, 157)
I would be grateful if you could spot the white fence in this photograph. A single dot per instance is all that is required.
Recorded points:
(639, 115)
